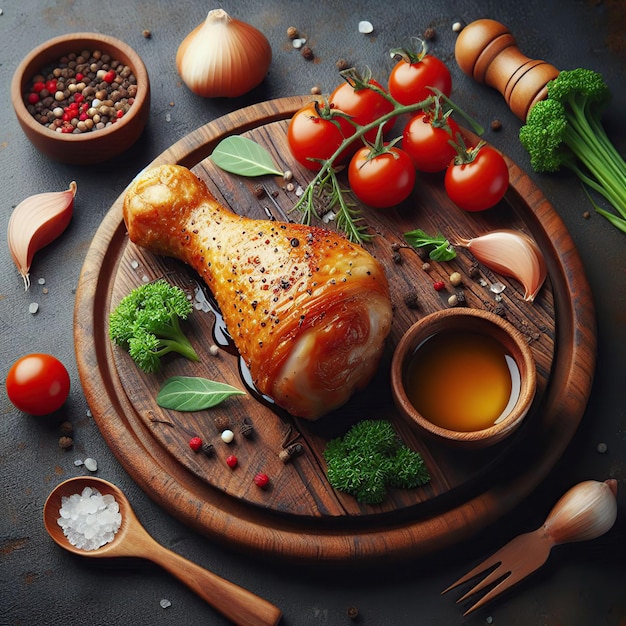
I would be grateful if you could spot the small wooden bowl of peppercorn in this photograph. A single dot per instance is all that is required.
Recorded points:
(464, 376)
(82, 98)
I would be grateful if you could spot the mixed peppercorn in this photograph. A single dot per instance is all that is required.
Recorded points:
(82, 92)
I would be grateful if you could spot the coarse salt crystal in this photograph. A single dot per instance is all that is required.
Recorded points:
(33, 307)
(91, 464)
(366, 27)
(165, 603)
(89, 520)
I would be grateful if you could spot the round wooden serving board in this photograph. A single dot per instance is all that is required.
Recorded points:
(299, 516)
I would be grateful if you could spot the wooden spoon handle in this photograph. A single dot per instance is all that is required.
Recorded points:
(237, 604)
(488, 52)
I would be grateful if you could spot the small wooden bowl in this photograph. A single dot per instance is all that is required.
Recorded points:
(93, 146)
(479, 322)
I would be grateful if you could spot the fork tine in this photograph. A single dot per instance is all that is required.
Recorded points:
(501, 587)
(494, 559)
(496, 574)
(516, 559)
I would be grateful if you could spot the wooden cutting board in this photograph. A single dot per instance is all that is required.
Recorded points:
(299, 516)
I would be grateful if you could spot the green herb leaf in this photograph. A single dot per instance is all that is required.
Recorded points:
(239, 155)
(190, 393)
(442, 249)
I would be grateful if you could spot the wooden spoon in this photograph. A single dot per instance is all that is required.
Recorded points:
(132, 540)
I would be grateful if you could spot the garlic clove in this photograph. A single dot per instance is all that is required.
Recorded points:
(223, 57)
(35, 222)
(511, 253)
(586, 511)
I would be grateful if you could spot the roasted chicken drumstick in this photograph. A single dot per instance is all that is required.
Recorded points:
(308, 311)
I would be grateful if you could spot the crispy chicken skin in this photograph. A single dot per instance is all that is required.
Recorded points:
(308, 310)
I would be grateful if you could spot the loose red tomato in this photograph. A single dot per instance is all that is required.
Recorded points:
(363, 106)
(427, 141)
(38, 384)
(311, 137)
(381, 180)
(480, 183)
(409, 80)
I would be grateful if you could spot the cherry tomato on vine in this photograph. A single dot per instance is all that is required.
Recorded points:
(363, 105)
(427, 141)
(38, 384)
(310, 137)
(411, 77)
(381, 180)
(481, 182)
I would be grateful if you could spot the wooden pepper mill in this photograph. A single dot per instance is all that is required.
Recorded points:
(487, 51)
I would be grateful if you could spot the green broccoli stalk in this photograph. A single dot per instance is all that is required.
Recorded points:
(369, 458)
(565, 130)
(146, 324)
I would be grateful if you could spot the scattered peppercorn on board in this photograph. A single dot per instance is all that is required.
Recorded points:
(295, 514)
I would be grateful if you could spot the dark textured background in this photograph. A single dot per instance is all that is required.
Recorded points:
(582, 585)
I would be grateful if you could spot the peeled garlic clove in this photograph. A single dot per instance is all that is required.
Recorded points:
(35, 222)
(586, 511)
(511, 253)
(223, 57)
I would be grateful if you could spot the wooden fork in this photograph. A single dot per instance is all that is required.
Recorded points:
(586, 511)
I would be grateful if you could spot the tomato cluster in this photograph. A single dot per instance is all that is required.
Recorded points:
(383, 175)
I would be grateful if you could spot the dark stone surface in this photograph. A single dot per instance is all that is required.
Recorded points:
(40, 584)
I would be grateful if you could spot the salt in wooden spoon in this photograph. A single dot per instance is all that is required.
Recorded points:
(132, 540)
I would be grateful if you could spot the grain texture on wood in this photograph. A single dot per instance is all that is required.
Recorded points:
(299, 516)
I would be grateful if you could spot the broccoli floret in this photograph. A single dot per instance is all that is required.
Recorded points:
(371, 457)
(146, 323)
(565, 130)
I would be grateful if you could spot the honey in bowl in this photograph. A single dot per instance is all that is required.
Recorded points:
(462, 380)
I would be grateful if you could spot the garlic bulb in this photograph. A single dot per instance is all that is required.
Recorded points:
(586, 511)
(223, 57)
(511, 253)
(35, 222)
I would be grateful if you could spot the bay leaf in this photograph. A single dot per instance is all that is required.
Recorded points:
(240, 155)
(192, 393)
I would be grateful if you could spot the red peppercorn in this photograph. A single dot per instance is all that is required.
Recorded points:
(261, 480)
(39, 86)
(119, 114)
(195, 443)
(79, 76)
(231, 461)
(439, 285)
(51, 85)
(78, 98)
(109, 77)
(33, 98)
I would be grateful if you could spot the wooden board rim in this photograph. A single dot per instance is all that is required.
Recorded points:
(222, 517)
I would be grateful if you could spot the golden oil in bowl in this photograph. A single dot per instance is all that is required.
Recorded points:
(462, 380)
